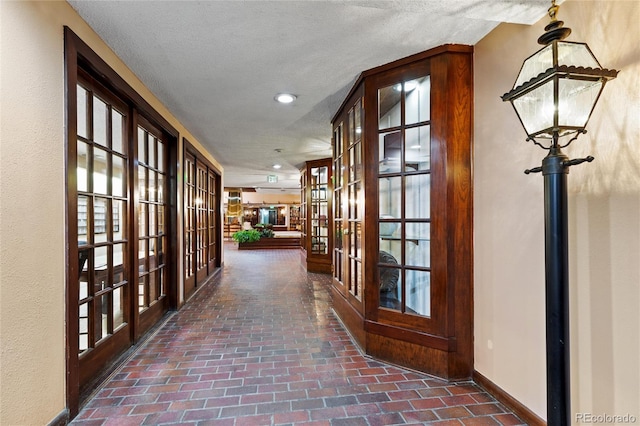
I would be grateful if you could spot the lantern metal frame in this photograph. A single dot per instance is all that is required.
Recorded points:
(555, 168)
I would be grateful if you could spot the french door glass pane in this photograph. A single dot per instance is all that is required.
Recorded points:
(418, 285)
(142, 182)
(390, 287)
(82, 99)
(99, 122)
(389, 106)
(118, 182)
(161, 157)
(82, 166)
(418, 196)
(100, 210)
(100, 177)
(118, 263)
(118, 307)
(82, 219)
(142, 146)
(417, 100)
(417, 154)
(418, 244)
(142, 255)
(118, 214)
(151, 152)
(390, 148)
(151, 190)
(390, 197)
(117, 129)
(100, 262)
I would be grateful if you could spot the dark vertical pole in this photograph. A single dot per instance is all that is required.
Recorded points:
(555, 173)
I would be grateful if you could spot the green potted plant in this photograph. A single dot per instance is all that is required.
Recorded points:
(246, 236)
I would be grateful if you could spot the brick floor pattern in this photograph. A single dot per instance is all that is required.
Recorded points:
(260, 345)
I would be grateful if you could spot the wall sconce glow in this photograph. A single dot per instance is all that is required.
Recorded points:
(358, 130)
(199, 201)
(285, 98)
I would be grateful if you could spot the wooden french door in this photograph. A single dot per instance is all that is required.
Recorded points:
(152, 211)
(189, 224)
(120, 187)
(201, 223)
(101, 205)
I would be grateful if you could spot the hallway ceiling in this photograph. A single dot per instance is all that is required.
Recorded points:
(217, 65)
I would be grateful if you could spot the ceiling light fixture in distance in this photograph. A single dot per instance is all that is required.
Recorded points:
(277, 166)
(285, 98)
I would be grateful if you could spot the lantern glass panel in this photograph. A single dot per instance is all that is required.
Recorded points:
(536, 64)
(577, 55)
(536, 109)
(576, 101)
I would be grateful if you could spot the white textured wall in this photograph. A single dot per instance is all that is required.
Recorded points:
(604, 222)
(32, 203)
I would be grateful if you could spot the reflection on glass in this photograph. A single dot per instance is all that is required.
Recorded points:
(417, 100)
(99, 121)
(82, 111)
(117, 181)
(417, 153)
(418, 244)
(117, 127)
(418, 284)
(118, 307)
(390, 152)
(418, 196)
(99, 171)
(389, 197)
(82, 166)
(389, 106)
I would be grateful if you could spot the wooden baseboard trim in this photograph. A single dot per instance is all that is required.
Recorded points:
(61, 419)
(519, 409)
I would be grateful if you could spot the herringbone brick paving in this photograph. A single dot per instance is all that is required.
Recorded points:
(260, 345)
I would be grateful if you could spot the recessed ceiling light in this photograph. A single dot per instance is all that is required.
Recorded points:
(285, 98)
(276, 166)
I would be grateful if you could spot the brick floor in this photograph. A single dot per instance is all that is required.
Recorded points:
(259, 345)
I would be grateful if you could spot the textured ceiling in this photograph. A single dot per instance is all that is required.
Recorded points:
(217, 65)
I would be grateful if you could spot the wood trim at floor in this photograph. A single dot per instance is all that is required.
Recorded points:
(519, 409)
